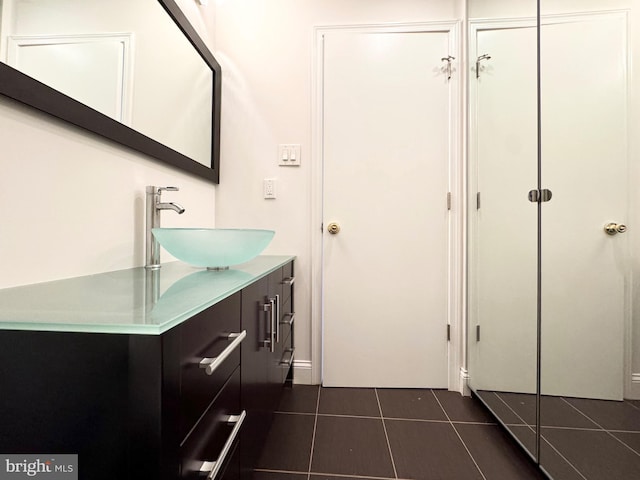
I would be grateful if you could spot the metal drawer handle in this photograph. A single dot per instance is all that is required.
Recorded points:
(288, 363)
(288, 280)
(211, 469)
(210, 364)
(269, 308)
(292, 317)
(276, 321)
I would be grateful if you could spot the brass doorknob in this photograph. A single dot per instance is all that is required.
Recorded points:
(613, 228)
(333, 228)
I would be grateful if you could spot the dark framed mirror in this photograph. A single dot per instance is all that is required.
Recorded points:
(139, 75)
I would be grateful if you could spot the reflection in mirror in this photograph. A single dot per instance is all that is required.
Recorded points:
(584, 421)
(587, 97)
(127, 60)
(503, 160)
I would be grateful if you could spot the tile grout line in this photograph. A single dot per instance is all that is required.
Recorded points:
(526, 424)
(458, 434)
(632, 404)
(341, 475)
(281, 412)
(313, 436)
(386, 436)
(600, 426)
(563, 457)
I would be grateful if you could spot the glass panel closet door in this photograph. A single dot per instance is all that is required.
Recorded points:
(503, 153)
(588, 430)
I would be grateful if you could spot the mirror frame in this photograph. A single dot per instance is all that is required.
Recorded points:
(22, 88)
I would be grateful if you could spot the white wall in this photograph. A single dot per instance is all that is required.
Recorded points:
(73, 203)
(266, 51)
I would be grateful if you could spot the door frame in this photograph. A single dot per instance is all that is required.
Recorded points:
(457, 186)
(631, 382)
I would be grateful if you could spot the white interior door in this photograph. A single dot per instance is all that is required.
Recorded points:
(585, 272)
(504, 266)
(386, 143)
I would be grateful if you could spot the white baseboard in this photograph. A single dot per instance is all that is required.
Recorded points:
(633, 391)
(302, 372)
(464, 382)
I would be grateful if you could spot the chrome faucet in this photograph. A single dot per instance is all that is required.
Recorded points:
(153, 208)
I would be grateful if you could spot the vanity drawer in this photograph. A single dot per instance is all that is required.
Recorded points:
(287, 319)
(287, 281)
(213, 443)
(286, 358)
(210, 352)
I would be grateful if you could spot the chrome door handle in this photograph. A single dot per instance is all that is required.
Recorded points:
(288, 280)
(614, 228)
(211, 469)
(210, 364)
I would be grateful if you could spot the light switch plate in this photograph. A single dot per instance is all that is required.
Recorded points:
(289, 155)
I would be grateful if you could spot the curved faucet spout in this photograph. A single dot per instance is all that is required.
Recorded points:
(170, 206)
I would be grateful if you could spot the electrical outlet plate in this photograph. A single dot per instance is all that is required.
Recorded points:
(269, 187)
(289, 155)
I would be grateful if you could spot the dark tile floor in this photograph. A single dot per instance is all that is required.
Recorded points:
(582, 439)
(335, 433)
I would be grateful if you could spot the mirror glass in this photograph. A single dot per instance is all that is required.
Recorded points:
(553, 337)
(588, 423)
(503, 243)
(127, 60)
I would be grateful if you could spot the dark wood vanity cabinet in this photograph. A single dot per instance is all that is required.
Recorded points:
(135, 406)
(267, 358)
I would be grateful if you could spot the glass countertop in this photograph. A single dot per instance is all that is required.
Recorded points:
(132, 301)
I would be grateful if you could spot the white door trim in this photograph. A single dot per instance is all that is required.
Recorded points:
(456, 187)
(123, 107)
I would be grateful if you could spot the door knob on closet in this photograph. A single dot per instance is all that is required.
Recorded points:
(614, 228)
(333, 228)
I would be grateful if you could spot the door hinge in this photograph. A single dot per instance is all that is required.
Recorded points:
(478, 200)
(540, 196)
(477, 333)
(448, 332)
(449, 201)
(322, 227)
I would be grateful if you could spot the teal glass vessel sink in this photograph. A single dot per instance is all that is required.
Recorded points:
(214, 248)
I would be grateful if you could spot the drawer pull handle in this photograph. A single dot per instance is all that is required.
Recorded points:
(211, 469)
(288, 363)
(292, 317)
(210, 364)
(277, 317)
(271, 307)
(288, 280)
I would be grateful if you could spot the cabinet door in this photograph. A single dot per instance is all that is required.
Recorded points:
(275, 369)
(254, 372)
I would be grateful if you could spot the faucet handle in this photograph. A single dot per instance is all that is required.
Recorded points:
(168, 189)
